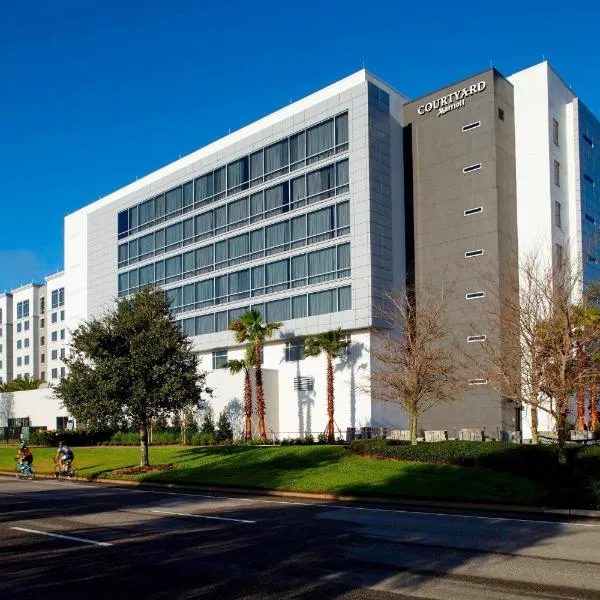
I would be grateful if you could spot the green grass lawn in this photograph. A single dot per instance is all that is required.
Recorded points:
(330, 469)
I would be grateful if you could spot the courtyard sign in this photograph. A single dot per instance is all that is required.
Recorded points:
(452, 101)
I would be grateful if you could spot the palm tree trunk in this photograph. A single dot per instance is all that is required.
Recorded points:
(260, 395)
(144, 462)
(581, 409)
(330, 398)
(248, 406)
(593, 407)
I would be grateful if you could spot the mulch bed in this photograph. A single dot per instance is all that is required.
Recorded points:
(138, 470)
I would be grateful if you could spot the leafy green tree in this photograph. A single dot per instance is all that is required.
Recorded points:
(250, 328)
(244, 365)
(133, 364)
(224, 428)
(332, 344)
(208, 423)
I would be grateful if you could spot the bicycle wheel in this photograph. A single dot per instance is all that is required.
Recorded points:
(32, 474)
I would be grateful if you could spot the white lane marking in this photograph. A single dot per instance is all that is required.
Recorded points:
(369, 509)
(64, 537)
(178, 514)
(362, 508)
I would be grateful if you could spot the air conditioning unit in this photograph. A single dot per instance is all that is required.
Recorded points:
(303, 384)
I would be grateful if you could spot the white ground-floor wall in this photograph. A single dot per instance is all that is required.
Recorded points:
(40, 406)
(296, 413)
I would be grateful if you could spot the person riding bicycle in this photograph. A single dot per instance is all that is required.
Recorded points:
(64, 456)
(25, 458)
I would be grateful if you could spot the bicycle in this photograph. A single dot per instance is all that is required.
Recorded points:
(25, 470)
(64, 470)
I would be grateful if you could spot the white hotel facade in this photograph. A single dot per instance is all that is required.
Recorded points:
(301, 215)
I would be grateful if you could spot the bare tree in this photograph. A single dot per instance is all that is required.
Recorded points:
(7, 407)
(544, 328)
(417, 364)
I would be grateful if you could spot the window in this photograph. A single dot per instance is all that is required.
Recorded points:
(62, 372)
(26, 343)
(294, 350)
(473, 211)
(61, 423)
(19, 327)
(54, 354)
(19, 344)
(557, 214)
(555, 131)
(219, 359)
(19, 361)
(556, 173)
(42, 358)
(62, 334)
(62, 352)
(54, 373)
(479, 381)
(42, 305)
(474, 295)
(471, 126)
(22, 309)
(472, 253)
(477, 338)
(26, 326)
(43, 375)
(472, 168)
(26, 359)
(559, 256)
(58, 297)
(54, 317)
(54, 336)
(42, 323)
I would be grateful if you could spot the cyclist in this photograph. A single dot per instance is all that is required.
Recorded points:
(64, 456)
(25, 458)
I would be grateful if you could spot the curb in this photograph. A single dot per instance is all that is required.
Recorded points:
(403, 502)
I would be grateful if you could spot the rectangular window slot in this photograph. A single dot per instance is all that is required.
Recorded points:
(471, 126)
(474, 295)
(479, 381)
(501, 114)
(588, 140)
(555, 131)
(471, 253)
(473, 211)
(589, 179)
(476, 338)
(472, 168)
(556, 173)
(590, 219)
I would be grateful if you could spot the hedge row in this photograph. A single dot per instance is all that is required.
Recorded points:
(120, 438)
(538, 462)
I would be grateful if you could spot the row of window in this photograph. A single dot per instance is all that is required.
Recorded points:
(295, 307)
(304, 230)
(293, 352)
(317, 267)
(304, 148)
(310, 268)
(24, 343)
(22, 326)
(22, 360)
(319, 185)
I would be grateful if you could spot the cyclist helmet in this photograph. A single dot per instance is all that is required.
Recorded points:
(22, 445)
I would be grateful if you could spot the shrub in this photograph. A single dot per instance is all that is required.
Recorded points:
(208, 423)
(224, 428)
(71, 438)
(202, 439)
(534, 461)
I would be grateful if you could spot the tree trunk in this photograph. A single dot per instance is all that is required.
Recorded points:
(562, 406)
(330, 408)
(580, 409)
(260, 395)
(593, 407)
(414, 417)
(534, 425)
(144, 462)
(248, 406)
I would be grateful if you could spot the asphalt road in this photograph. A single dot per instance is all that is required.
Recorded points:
(67, 540)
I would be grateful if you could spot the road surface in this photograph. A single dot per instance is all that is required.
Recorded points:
(69, 540)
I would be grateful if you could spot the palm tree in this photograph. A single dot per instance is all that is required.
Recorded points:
(332, 344)
(236, 366)
(21, 384)
(250, 328)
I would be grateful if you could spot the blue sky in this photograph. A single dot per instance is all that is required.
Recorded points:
(94, 95)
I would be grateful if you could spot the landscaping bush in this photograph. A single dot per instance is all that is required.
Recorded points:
(71, 438)
(538, 462)
(203, 439)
